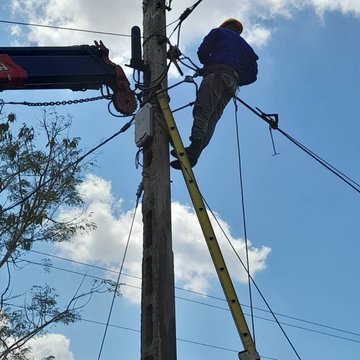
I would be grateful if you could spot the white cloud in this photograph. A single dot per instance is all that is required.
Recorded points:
(344, 6)
(110, 16)
(43, 346)
(119, 16)
(50, 344)
(258, 34)
(193, 267)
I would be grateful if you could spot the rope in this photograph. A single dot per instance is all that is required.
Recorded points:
(138, 195)
(244, 220)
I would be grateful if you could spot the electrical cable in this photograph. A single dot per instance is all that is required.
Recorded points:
(185, 14)
(178, 339)
(352, 183)
(156, 82)
(166, 26)
(82, 263)
(216, 306)
(199, 302)
(126, 328)
(184, 106)
(252, 280)
(186, 340)
(74, 163)
(182, 17)
(138, 162)
(63, 28)
(77, 29)
(276, 313)
(245, 267)
(298, 145)
(323, 162)
(355, 185)
(114, 114)
(271, 320)
(242, 195)
(194, 67)
(138, 195)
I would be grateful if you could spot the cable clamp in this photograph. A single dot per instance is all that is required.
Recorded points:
(189, 79)
(173, 54)
(271, 119)
(139, 191)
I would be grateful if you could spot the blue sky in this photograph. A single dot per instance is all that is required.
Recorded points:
(302, 221)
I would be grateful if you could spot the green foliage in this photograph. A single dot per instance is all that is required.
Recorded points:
(20, 325)
(35, 180)
(40, 170)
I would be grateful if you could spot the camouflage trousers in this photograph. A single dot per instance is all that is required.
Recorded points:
(215, 92)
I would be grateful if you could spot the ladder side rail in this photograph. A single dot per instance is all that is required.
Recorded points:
(210, 237)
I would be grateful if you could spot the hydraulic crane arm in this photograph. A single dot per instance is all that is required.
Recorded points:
(68, 67)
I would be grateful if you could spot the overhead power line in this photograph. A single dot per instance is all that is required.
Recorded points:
(126, 328)
(207, 304)
(55, 27)
(353, 184)
(274, 125)
(178, 339)
(63, 28)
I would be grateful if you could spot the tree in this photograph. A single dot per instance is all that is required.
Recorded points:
(39, 173)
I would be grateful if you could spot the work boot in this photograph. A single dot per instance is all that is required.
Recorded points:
(193, 152)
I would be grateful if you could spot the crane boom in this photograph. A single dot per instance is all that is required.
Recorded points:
(65, 67)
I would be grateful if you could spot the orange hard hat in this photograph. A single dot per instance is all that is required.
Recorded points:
(233, 22)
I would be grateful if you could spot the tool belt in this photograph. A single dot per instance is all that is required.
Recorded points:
(221, 68)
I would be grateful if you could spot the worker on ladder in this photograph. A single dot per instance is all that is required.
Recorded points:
(229, 62)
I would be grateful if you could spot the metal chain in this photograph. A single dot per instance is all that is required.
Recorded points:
(58, 103)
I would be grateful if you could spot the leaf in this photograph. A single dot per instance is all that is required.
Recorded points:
(11, 117)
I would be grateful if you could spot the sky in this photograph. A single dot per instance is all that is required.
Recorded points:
(302, 222)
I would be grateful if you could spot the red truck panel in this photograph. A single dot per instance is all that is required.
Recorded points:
(11, 74)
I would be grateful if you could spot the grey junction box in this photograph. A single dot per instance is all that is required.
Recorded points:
(143, 125)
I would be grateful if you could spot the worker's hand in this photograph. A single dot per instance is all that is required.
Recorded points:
(200, 72)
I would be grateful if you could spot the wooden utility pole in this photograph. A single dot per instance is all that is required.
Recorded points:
(158, 334)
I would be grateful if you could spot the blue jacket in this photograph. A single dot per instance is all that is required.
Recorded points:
(225, 46)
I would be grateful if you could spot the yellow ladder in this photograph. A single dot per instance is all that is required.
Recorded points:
(249, 352)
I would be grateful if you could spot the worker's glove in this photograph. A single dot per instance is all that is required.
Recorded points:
(200, 72)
